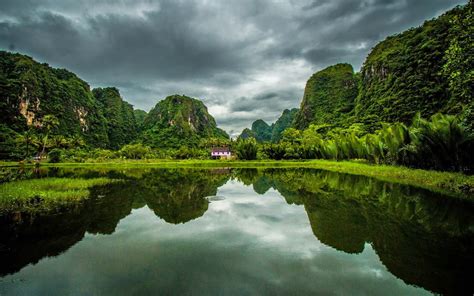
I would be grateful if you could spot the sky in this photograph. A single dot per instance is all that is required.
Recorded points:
(245, 59)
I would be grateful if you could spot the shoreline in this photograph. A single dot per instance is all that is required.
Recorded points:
(454, 184)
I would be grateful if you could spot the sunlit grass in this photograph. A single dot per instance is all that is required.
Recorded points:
(46, 193)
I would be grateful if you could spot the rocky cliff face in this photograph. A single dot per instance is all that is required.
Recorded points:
(30, 90)
(329, 95)
(179, 120)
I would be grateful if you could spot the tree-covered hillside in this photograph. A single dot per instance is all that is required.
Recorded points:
(121, 124)
(29, 91)
(283, 122)
(44, 108)
(246, 134)
(328, 96)
(428, 69)
(262, 131)
(139, 118)
(179, 120)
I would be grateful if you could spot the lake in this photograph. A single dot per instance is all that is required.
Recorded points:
(241, 232)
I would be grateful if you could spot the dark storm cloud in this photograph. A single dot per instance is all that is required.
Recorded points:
(246, 59)
(249, 104)
(266, 102)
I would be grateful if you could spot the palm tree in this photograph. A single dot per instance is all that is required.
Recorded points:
(48, 123)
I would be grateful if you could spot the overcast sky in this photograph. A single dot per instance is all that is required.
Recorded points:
(246, 59)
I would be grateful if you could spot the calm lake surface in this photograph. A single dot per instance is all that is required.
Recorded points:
(241, 232)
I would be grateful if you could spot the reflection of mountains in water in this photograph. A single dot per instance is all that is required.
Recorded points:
(176, 196)
(421, 237)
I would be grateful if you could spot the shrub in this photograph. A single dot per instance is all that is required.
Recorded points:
(246, 149)
(55, 155)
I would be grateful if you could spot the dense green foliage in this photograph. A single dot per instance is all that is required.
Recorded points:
(263, 132)
(283, 122)
(45, 108)
(139, 118)
(179, 121)
(428, 69)
(120, 117)
(55, 155)
(247, 133)
(443, 143)
(328, 96)
(29, 91)
(246, 149)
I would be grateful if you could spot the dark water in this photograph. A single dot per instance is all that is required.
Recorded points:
(243, 232)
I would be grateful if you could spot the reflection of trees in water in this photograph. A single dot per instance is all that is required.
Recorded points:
(179, 196)
(421, 237)
(26, 238)
(176, 196)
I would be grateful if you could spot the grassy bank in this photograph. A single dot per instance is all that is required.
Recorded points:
(45, 194)
(444, 182)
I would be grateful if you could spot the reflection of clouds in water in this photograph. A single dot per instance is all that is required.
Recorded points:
(264, 220)
(247, 243)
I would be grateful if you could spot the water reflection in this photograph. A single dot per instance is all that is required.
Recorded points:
(175, 196)
(421, 237)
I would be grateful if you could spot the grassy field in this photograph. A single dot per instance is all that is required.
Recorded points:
(444, 182)
(45, 194)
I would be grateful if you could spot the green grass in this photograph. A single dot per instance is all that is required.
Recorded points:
(454, 184)
(45, 194)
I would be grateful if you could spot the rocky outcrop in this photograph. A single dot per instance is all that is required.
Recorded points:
(179, 120)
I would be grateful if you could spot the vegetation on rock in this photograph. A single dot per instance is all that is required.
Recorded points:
(263, 132)
(120, 117)
(179, 121)
(328, 97)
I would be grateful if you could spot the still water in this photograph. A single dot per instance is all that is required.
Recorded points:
(240, 232)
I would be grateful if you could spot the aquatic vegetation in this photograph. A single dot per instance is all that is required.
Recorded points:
(47, 193)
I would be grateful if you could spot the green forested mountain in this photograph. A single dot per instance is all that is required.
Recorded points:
(43, 108)
(179, 120)
(428, 69)
(247, 133)
(121, 124)
(29, 91)
(282, 123)
(328, 97)
(262, 131)
(139, 117)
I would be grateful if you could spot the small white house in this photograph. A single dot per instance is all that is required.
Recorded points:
(221, 152)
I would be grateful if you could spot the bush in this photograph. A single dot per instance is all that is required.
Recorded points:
(136, 151)
(55, 155)
(247, 149)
